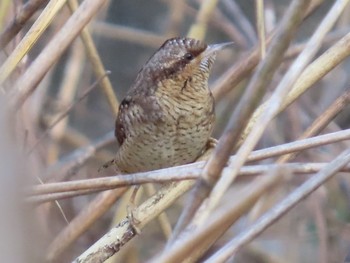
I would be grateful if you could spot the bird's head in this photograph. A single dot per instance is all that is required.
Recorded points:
(180, 58)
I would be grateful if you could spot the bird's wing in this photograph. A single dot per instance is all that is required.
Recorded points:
(134, 112)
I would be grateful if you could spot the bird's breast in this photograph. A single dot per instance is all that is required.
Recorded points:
(179, 138)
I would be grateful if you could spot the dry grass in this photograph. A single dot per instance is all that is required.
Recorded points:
(273, 188)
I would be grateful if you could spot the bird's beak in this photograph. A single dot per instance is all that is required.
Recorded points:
(212, 49)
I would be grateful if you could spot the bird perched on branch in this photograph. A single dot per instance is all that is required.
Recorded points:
(167, 116)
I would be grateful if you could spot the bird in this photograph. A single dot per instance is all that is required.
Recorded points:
(168, 114)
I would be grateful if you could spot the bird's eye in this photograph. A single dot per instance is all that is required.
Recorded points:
(188, 56)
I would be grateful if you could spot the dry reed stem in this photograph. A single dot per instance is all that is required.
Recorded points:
(76, 139)
(65, 97)
(176, 16)
(20, 19)
(96, 63)
(222, 22)
(316, 127)
(235, 11)
(222, 220)
(272, 108)
(82, 222)
(247, 104)
(331, 37)
(37, 200)
(120, 213)
(241, 69)
(281, 208)
(321, 122)
(68, 166)
(144, 214)
(111, 242)
(68, 87)
(260, 18)
(198, 30)
(124, 33)
(27, 83)
(227, 27)
(122, 233)
(107, 183)
(183, 172)
(66, 109)
(313, 73)
(37, 29)
(4, 6)
(163, 217)
(322, 231)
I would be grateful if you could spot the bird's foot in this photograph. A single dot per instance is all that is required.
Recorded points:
(207, 151)
(211, 143)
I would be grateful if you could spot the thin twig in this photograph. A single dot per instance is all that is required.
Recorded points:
(64, 113)
(39, 199)
(68, 166)
(321, 122)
